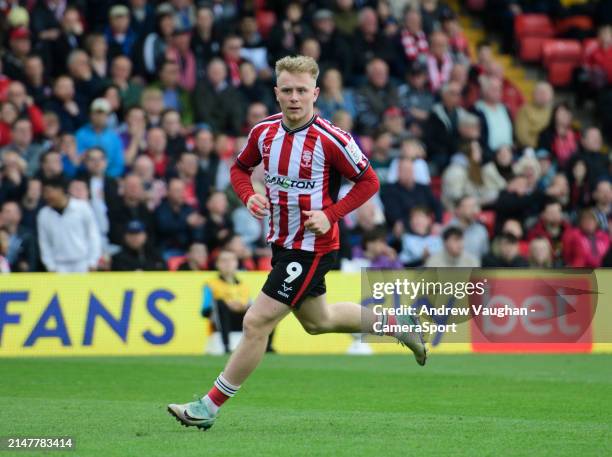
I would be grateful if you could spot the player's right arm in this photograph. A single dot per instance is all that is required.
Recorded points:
(240, 177)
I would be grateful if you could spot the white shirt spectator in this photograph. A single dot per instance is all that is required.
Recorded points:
(69, 241)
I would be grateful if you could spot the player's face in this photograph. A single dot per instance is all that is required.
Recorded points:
(296, 94)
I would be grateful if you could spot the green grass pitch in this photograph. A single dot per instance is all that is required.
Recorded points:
(459, 405)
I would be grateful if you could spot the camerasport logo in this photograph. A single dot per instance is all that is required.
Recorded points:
(556, 314)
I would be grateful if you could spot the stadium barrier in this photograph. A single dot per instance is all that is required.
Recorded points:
(159, 313)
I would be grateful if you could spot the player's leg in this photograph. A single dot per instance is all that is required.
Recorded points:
(258, 323)
(317, 316)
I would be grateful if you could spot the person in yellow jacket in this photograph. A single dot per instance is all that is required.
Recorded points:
(226, 299)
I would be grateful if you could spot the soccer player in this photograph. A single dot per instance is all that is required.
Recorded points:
(304, 157)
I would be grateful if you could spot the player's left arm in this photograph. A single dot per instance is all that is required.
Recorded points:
(352, 164)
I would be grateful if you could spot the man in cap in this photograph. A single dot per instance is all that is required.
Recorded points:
(136, 254)
(20, 46)
(97, 133)
(119, 36)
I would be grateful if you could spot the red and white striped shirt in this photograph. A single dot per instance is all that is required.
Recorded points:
(303, 169)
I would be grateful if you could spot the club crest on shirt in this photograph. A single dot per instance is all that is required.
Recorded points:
(306, 158)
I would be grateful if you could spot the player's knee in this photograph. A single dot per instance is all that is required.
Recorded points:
(253, 326)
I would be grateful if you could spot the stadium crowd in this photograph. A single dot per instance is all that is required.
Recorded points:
(119, 122)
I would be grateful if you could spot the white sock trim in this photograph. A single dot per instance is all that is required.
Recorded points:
(226, 387)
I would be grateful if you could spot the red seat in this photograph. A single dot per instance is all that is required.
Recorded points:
(476, 5)
(175, 262)
(487, 218)
(531, 30)
(588, 46)
(524, 248)
(561, 57)
(436, 186)
(573, 22)
(265, 21)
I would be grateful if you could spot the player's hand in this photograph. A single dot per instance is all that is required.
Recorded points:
(258, 206)
(317, 222)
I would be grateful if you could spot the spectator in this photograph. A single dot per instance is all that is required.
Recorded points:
(132, 135)
(51, 165)
(335, 50)
(256, 112)
(219, 227)
(579, 184)
(205, 39)
(288, 32)
(174, 96)
(515, 202)
(254, 49)
(20, 46)
(345, 17)
(399, 198)
(152, 51)
(475, 236)
(415, 99)
(143, 17)
(369, 43)
(152, 101)
(176, 144)
(374, 252)
(68, 235)
(540, 253)
(591, 152)
(225, 301)
(36, 81)
(418, 243)
(8, 116)
(505, 253)
(26, 108)
(453, 255)
(439, 61)
(535, 116)
(497, 173)
(586, 245)
(334, 96)
(98, 134)
(13, 182)
(70, 110)
(602, 200)
(216, 171)
(217, 103)
(552, 226)
(31, 203)
(21, 253)
(495, 118)
(22, 143)
(156, 150)
(413, 38)
(413, 150)
(97, 48)
(458, 42)
(463, 177)
(86, 82)
(196, 259)
(252, 90)
(131, 206)
(597, 61)
(69, 39)
(5, 267)
(196, 187)
(136, 254)
(375, 96)
(178, 224)
(155, 189)
(442, 126)
(559, 137)
(119, 36)
(120, 74)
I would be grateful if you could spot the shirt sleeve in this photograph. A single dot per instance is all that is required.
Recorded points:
(347, 157)
(250, 156)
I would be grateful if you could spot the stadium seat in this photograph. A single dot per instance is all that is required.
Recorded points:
(531, 30)
(175, 262)
(561, 57)
(436, 186)
(264, 264)
(476, 6)
(573, 23)
(265, 21)
(487, 218)
(524, 248)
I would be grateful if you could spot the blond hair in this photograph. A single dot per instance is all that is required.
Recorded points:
(297, 64)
